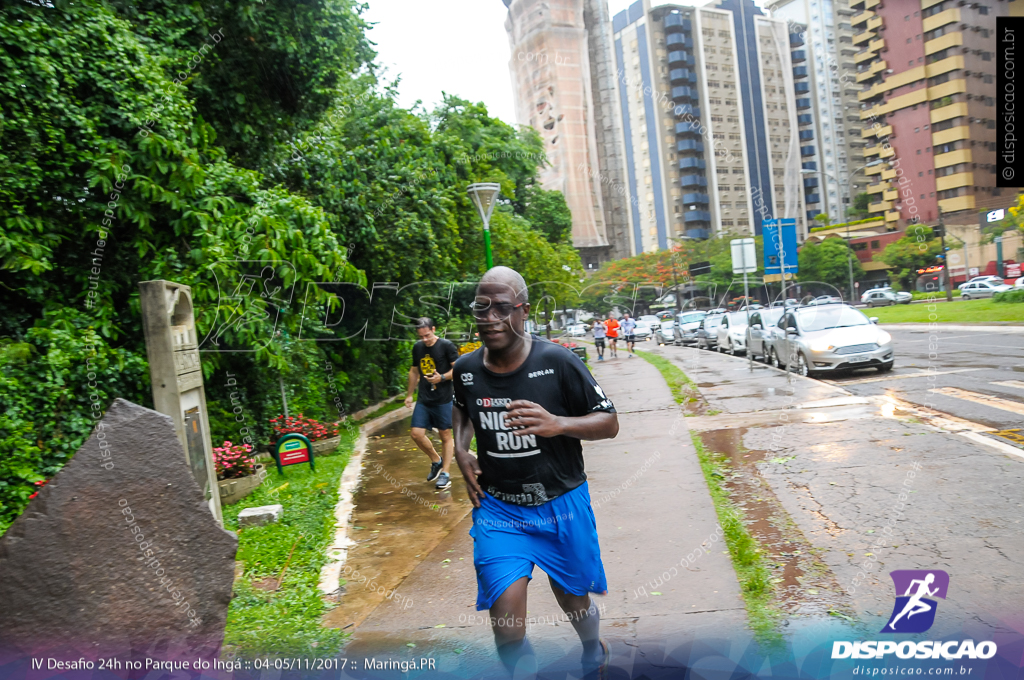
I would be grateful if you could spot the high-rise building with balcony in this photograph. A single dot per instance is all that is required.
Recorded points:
(709, 120)
(562, 76)
(825, 80)
(927, 68)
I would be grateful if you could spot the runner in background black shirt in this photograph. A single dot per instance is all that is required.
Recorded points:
(432, 361)
(550, 404)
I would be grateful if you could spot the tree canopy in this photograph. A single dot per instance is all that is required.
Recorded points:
(204, 143)
(917, 250)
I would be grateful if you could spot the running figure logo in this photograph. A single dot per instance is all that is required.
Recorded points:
(914, 612)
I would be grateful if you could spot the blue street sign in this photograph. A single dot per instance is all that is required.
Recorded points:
(772, 257)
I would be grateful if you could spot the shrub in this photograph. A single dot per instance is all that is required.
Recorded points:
(47, 384)
(1009, 296)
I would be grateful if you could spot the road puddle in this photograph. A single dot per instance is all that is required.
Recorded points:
(803, 584)
(399, 517)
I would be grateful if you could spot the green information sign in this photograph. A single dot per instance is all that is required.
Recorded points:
(293, 449)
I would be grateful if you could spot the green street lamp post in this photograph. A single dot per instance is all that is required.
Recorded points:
(485, 197)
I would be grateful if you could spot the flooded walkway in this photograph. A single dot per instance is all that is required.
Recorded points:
(399, 518)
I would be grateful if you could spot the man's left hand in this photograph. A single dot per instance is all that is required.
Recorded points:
(433, 378)
(526, 417)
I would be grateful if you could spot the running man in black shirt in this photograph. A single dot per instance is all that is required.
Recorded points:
(529, 402)
(432, 361)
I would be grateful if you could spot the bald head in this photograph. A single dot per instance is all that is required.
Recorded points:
(506, 276)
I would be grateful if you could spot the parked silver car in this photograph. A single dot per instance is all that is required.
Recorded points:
(982, 289)
(684, 330)
(828, 339)
(707, 332)
(759, 332)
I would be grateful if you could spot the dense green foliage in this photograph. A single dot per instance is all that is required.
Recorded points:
(203, 143)
(914, 251)
(828, 262)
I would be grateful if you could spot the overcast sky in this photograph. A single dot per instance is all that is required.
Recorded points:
(454, 46)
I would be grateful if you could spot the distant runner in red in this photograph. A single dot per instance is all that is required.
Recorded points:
(612, 326)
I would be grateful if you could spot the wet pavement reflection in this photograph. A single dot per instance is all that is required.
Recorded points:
(399, 517)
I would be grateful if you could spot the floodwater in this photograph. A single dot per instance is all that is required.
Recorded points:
(399, 517)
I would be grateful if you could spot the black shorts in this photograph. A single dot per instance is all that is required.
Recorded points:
(630, 338)
(599, 343)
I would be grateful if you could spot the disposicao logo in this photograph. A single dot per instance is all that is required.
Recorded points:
(914, 612)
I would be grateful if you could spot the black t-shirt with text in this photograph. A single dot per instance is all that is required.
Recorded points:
(530, 469)
(439, 358)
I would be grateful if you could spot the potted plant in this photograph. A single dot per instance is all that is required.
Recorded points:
(238, 474)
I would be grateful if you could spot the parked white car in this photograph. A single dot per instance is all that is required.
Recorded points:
(1019, 283)
(642, 331)
(732, 333)
(653, 322)
(576, 331)
(982, 289)
(977, 279)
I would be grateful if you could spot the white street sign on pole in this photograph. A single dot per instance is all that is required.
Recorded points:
(744, 261)
(744, 258)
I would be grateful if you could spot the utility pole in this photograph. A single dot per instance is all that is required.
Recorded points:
(945, 260)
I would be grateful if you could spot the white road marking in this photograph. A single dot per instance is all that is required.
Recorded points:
(1010, 383)
(978, 398)
(981, 439)
(901, 376)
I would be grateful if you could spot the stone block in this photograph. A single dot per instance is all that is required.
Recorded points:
(119, 555)
(257, 517)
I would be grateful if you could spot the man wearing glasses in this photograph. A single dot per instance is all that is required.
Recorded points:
(529, 403)
(432, 361)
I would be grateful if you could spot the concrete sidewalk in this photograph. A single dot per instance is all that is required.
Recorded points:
(653, 511)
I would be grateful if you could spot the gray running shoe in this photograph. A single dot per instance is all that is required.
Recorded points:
(444, 481)
(435, 468)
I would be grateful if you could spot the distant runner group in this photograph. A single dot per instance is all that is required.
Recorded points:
(609, 329)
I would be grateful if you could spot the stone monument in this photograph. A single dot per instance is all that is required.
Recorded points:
(177, 377)
(118, 556)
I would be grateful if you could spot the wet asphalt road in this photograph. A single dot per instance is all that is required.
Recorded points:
(967, 366)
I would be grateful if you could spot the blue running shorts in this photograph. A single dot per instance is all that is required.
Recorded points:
(436, 415)
(559, 536)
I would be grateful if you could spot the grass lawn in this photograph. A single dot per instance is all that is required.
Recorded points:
(958, 311)
(286, 620)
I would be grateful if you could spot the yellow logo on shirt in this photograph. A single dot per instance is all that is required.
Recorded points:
(427, 365)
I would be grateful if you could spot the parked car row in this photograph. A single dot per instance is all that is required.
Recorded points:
(822, 338)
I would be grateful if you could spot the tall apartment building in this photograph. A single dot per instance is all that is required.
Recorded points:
(828, 109)
(560, 54)
(927, 68)
(709, 120)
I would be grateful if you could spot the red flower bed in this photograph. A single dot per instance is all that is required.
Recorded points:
(233, 461)
(312, 429)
